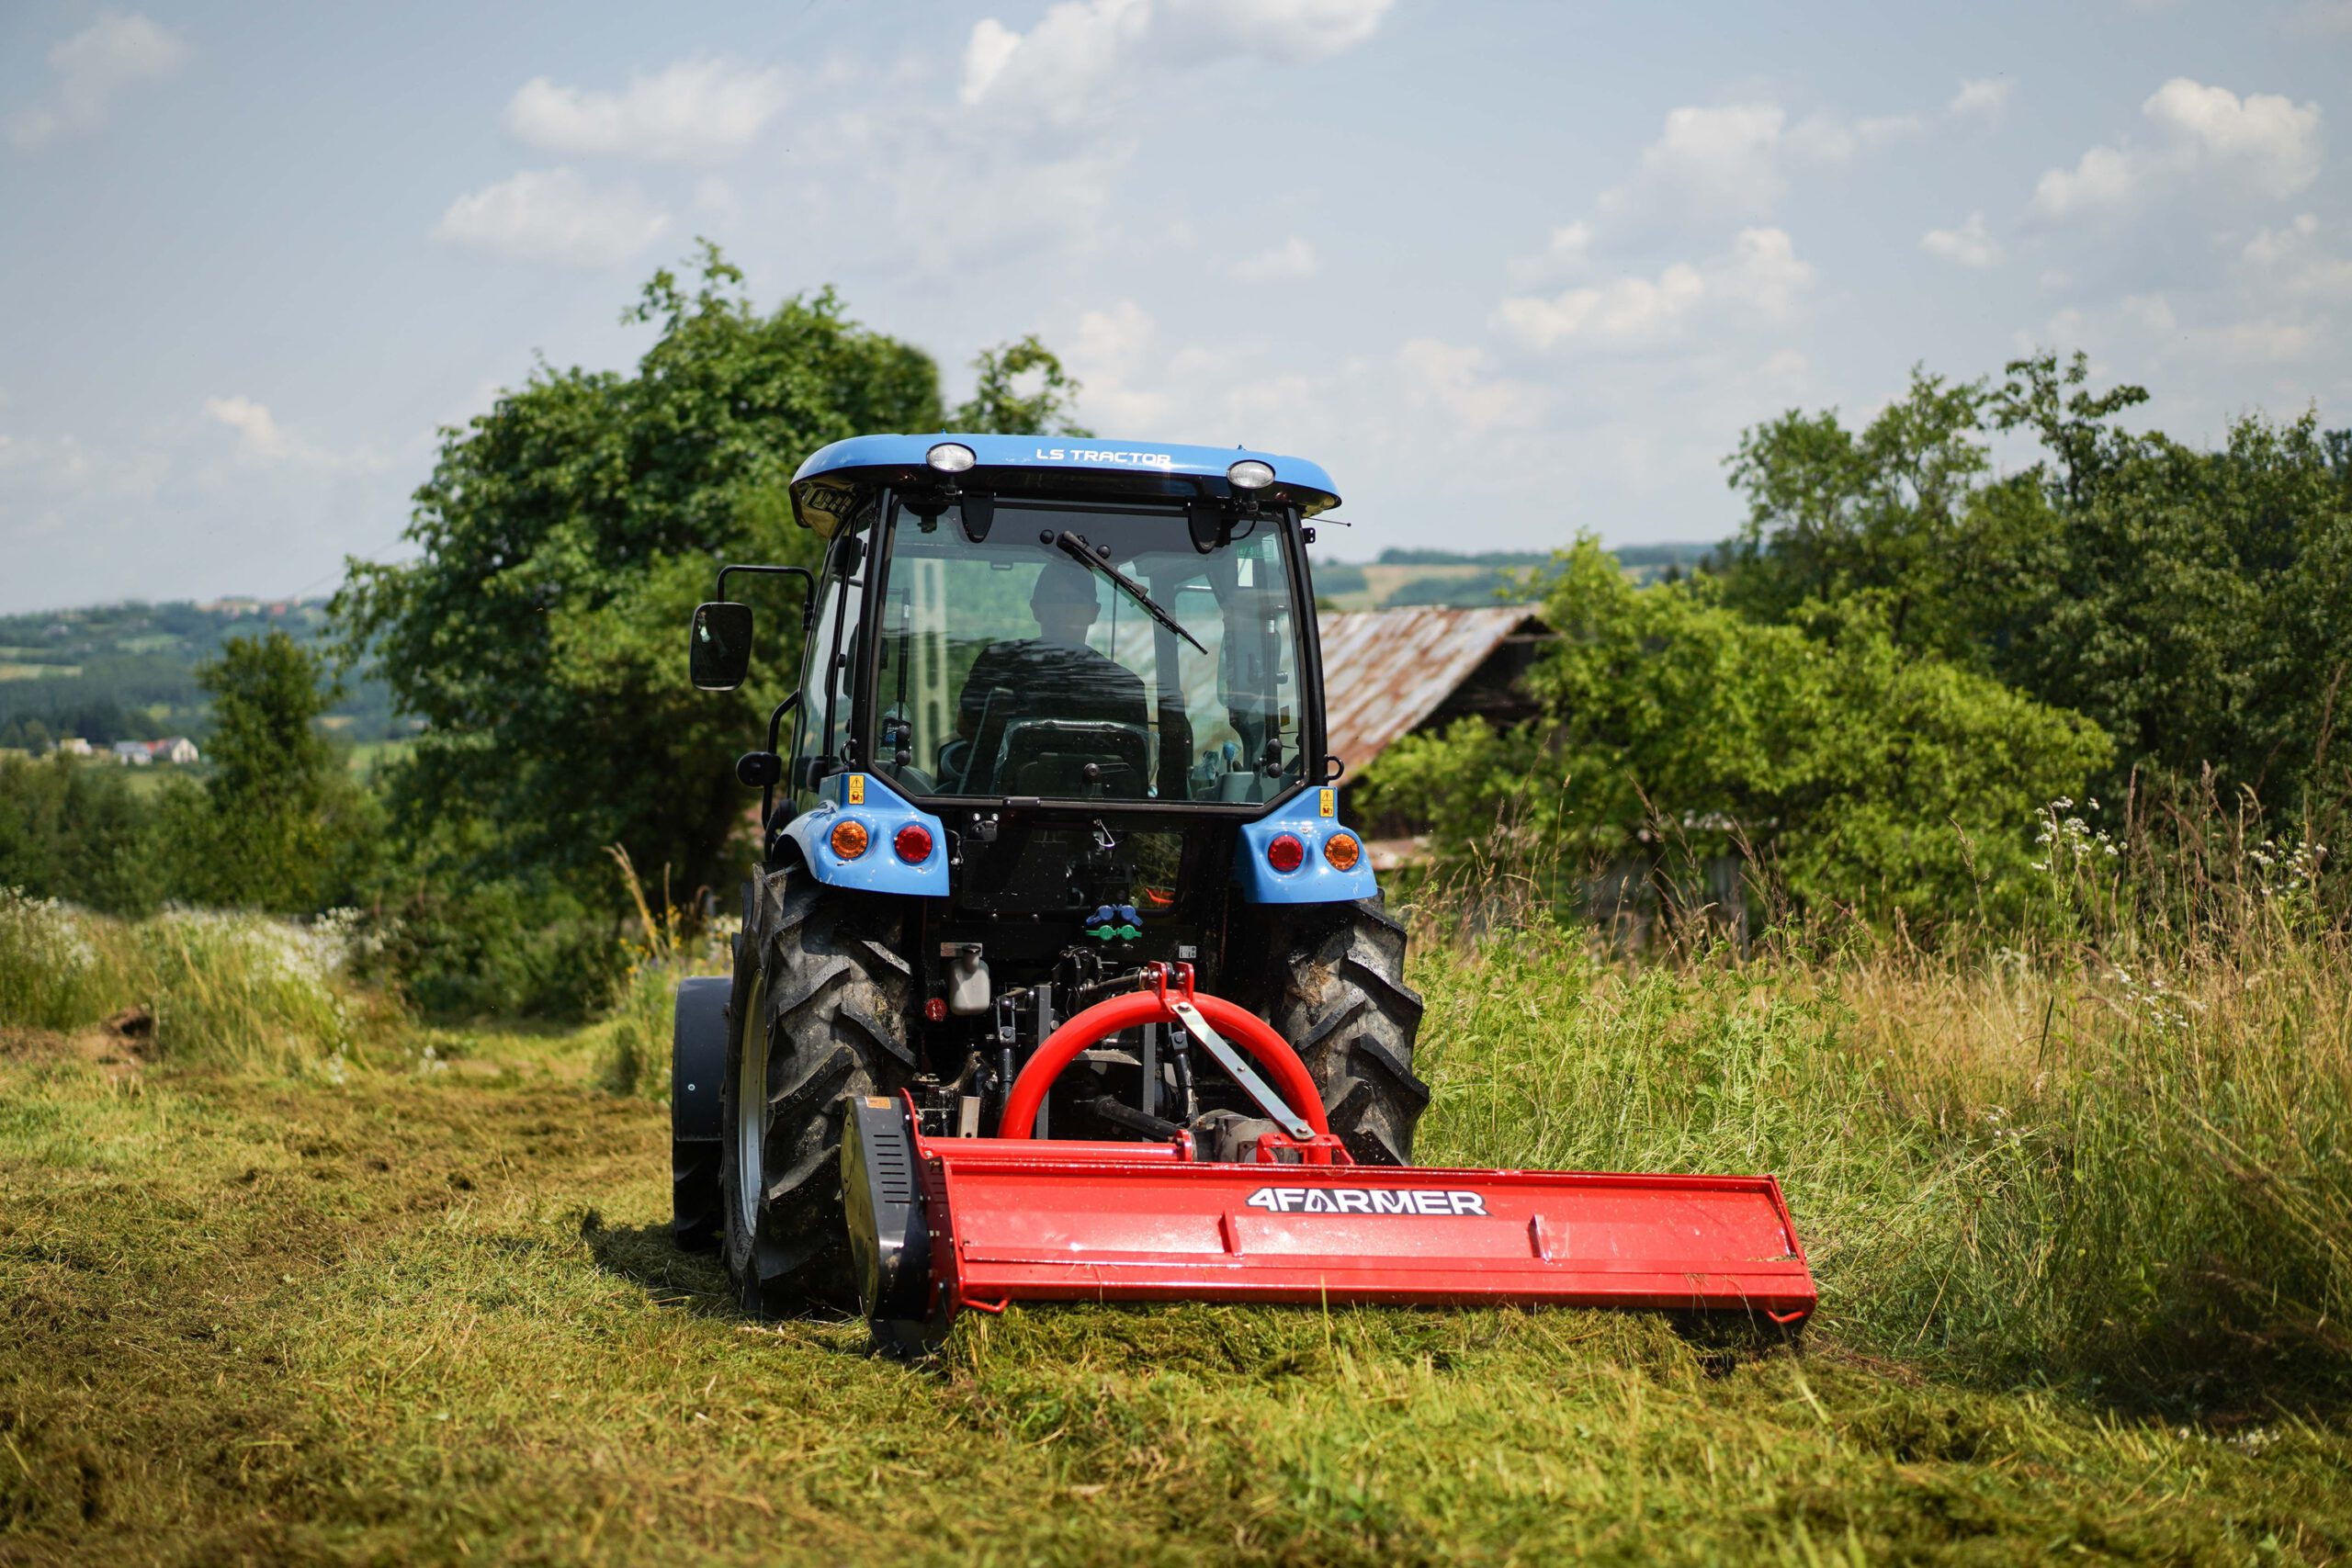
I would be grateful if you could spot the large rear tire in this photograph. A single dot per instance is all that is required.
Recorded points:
(822, 1017)
(1338, 994)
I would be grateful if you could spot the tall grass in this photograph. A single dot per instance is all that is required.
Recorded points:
(2108, 1147)
(222, 990)
(665, 949)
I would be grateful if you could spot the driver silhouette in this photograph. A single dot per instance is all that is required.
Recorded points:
(1053, 674)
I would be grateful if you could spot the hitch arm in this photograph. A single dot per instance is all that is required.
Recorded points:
(1277, 1110)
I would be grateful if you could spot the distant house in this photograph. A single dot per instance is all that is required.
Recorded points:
(73, 746)
(1389, 672)
(177, 750)
(133, 753)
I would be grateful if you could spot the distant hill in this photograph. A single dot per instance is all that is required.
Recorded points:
(128, 671)
(1404, 577)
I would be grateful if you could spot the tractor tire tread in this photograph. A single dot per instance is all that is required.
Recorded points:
(836, 999)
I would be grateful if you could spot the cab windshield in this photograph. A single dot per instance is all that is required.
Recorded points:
(1010, 668)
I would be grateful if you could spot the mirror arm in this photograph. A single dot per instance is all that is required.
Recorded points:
(807, 587)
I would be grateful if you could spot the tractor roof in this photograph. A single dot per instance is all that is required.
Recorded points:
(836, 477)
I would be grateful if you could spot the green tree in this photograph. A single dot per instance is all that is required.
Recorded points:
(1021, 390)
(559, 546)
(1902, 511)
(2192, 603)
(74, 830)
(278, 823)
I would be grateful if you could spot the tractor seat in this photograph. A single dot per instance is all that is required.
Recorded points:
(1052, 756)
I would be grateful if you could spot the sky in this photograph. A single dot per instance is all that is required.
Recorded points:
(1509, 271)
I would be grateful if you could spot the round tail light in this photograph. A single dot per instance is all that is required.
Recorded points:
(1286, 853)
(849, 839)
(912, 843)
(1342, 849)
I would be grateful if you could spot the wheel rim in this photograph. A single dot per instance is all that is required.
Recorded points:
(751, 1105)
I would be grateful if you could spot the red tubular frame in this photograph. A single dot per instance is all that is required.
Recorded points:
(1135, 1008)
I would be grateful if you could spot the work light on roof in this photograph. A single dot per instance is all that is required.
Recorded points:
(953, 458)
(1250, 474)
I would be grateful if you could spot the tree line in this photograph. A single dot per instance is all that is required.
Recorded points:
(1909, 651)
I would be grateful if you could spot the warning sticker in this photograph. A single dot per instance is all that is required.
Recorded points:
(856, 789)
(1431, 1201)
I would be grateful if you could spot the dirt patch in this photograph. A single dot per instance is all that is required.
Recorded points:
(120, 1047)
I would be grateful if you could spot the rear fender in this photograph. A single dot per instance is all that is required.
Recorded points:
(1311, 816)
(864, 800)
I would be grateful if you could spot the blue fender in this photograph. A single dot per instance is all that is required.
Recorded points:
(1312, 815)
(881, 811)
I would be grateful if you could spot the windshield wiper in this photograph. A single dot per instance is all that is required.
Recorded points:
(1077, 550)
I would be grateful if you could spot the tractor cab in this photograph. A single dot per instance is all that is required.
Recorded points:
(1083, 650)
(1065, 696)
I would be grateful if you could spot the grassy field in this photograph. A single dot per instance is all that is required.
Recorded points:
(2082, 1241)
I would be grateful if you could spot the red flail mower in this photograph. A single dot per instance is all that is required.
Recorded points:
(942, 1225)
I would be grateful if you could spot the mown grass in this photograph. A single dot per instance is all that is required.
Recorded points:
(431, 1314)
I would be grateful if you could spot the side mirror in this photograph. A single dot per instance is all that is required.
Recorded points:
(758, 769)
(719, 649)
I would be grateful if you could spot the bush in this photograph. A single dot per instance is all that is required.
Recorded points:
(1866, 778)
(511, 948)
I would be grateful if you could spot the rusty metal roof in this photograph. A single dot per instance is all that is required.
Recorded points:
(1385, 671)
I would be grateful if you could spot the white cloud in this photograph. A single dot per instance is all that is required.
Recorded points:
(1709, 159)
(1058, 71)
(1986, 98)
(2263, 139)
(1289, 262)
(259, 438)
(2293, 261)
(1722, 155)
(1460, 381)
(1286, 31)
(1106, 353)
(1566, 252)
(553, 215)
(1969, 244)
(2276, 140)
(1827, 138)
(985, 54)
(1065, 70)
(263, 443)
(696, 109)
(1761, 276)
(91, 70)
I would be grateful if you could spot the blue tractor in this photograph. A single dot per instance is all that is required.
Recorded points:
(1061, 720)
